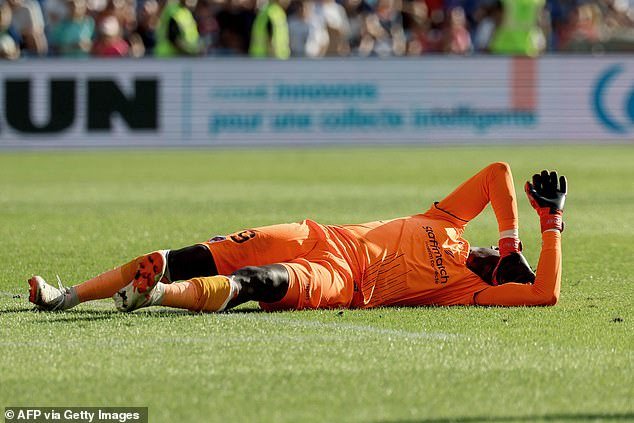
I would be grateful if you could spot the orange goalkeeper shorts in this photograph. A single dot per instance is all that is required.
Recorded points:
(316, 256)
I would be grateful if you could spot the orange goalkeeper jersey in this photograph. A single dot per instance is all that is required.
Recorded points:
(415, 260)
(421, 259)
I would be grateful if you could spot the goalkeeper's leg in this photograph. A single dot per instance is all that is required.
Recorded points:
(267, 283)
(144, 272)
(296, 285)
(290, 266)
(258, 246)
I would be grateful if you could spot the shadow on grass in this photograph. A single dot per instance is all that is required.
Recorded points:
(11, 310)
(168, 312)
(62, 316)
(542, 418)
(91, 316)
(246, 310)
(78, 315)
(74, 316)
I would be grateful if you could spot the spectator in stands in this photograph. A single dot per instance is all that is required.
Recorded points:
(583, 29)
(147, 23)
(457, 37)
(73, 36)
(325, 26)
(177, 31)
(520, 32)
(559, 12)
(383, 33)
(356, 11)
(109, 42)
(95, 7)
(317, 28)
(619, 13)
(54, 11)
(207, 26)
(437, 21)
(123, 11)
(28, 23)
(269, 35)
(619, 25)
(299, 26)
(488, 18)
(234, 27)
(593, 25)
(428, 32)
(8, 47)
(416, 27)
(333, 18)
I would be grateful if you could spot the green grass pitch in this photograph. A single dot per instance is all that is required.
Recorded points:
(78, 213)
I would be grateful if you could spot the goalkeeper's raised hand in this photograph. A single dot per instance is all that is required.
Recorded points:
(547, 195)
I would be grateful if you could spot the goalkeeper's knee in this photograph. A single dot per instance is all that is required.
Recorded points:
(190, 262)
(262, 283)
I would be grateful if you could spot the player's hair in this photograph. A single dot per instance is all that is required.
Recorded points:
(483, 261)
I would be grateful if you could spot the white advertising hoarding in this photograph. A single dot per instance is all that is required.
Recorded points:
(232, 102)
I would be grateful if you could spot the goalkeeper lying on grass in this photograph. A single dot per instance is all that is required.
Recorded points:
(410, 261)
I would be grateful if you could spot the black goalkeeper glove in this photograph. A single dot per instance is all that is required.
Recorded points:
(548, 198)
(513, 268)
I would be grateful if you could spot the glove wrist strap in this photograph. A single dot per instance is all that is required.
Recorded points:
(550, 220)
(509, 245)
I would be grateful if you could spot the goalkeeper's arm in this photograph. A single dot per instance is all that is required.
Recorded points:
(548, 200)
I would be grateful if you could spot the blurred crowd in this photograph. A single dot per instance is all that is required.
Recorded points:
(285, 28)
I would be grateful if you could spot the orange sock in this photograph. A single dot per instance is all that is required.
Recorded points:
(200, 294)
(108, 283)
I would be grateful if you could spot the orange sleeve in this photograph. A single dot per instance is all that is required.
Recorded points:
(492, 184)
(543, 292)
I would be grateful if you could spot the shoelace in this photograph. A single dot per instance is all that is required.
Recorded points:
(60, 285)
(63, 290)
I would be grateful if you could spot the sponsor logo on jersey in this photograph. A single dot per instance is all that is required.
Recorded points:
(434, 253)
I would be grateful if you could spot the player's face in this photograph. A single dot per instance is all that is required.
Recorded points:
(482, 262)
